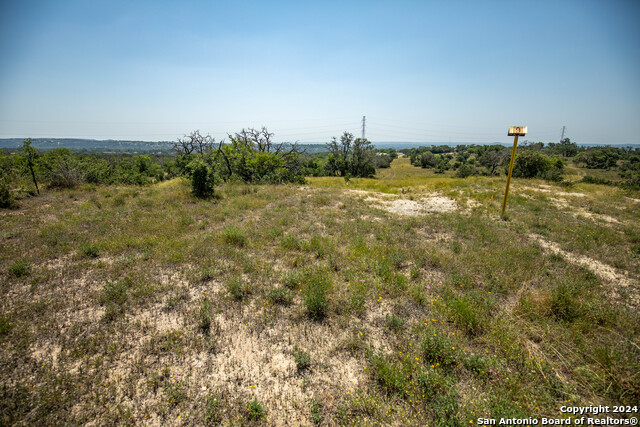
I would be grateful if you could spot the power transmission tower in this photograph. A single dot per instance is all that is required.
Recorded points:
(562, 137)
(364, 119)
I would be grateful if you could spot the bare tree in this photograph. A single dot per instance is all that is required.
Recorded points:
(195, 143)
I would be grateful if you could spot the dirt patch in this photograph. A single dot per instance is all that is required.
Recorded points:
(563, 204)
(605, 272)
(554, 191)
(433, 203)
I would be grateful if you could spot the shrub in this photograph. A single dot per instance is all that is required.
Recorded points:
(203, 179)
(532, 164)
(464, 171)
(6, 198)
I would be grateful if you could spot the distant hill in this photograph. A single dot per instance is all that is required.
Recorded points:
(117, 146)
(166, 147)
(92, 145)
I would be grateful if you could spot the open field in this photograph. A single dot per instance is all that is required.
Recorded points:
(399, 300)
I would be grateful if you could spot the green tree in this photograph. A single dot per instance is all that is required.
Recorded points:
(30, 155)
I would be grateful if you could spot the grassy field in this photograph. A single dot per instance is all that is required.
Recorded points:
(399, 300)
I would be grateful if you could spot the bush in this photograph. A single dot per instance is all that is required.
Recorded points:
(6, 198)
(532, 164)
(464, 171)
(203, 179)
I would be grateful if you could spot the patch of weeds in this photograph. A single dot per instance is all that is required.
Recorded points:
(255, 410)
(5, 325)
(414, 273)
(176, 392)
(398, 283)
(187, 220)
(468, 312)
(456, 247)
(316, 294)
(358, 298)
(20, 269)
(564, 302)
(316, 412)
(238, 289)
(418, 294)
(282, 296)
(206, 273)
(90, 250)
(213, 412)
(292, 279)
(118, 200)
(334, 262)
(316, 246)
(114, 295)
(302, 359)
(178, 296)
(291, 242)
(396, 324)
(356, 342)
(393, 376)
(397, 259)
(438, 348)
(204, 315)
(439, 391)
(234, 236)
(382, 269)
(274, 233)
(115, 292)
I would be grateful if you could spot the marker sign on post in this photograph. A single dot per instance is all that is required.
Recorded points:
(514, 131)
(517, 130)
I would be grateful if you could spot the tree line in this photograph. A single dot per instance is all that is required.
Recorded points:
(249, 156)
(533, 160)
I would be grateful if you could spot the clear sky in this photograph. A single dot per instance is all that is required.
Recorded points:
(421, 71)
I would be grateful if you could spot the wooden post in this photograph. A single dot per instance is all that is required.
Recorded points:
(513, 157)
(515, 131)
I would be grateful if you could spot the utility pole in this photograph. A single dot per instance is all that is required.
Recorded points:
(562, 137)
(364, 119)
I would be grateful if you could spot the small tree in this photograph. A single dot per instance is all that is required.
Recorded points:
(203, 179)
(30, 155)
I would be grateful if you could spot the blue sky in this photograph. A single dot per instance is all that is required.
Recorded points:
(432, 71)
